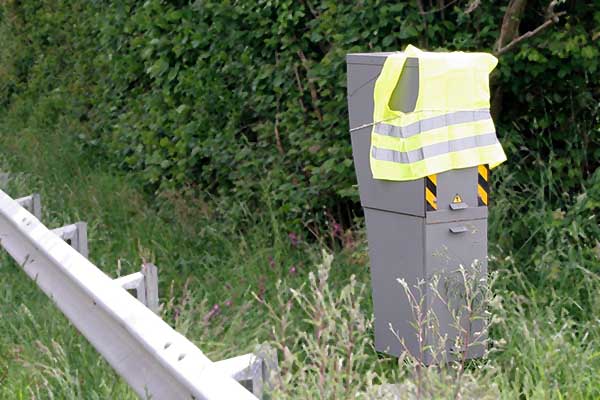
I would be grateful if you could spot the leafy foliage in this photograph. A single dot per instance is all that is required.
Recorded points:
(62, 100)
(227, 95)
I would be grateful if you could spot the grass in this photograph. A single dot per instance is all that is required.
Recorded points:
(219, 282)
(209, 264)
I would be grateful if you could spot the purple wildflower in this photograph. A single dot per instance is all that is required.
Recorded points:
(337, 229)
(293, 239)
(212, 313)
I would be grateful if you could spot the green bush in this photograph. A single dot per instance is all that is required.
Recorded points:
(227, 95)
(78, 83)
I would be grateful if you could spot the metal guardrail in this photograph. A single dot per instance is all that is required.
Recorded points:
(155, 360)
(33, 204)
(75, 235)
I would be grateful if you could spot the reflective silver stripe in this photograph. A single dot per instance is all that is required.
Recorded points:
(427, 124)
(407, 157)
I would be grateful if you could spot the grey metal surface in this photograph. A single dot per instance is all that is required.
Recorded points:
(403, 197)
(436, 217)
(396, 249)
(447, 247)
(446, 250)
(363, 70)
(405, 242)
(457, 181)
(361, 81)
(368, 58)
(405, 247)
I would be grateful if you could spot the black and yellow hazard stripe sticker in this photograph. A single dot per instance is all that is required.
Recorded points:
(431, 192)
(483, 185)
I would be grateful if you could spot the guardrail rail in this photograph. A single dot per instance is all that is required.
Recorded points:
(155, 360)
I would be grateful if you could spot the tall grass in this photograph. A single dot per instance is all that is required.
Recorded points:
(210, 263)
(219, 274)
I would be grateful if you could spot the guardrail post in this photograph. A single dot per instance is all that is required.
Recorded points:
(33, 204)
(4, 178)
(145, 284)
(76, 236)
(150, 273)
(252, 370)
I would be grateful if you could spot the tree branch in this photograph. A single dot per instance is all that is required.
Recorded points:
(277, 135)
(311, 86)
(510, 22)
(530, 34)
(300, 88)
(473, 4)
(425, 24)
(277, 108)
(509, 38)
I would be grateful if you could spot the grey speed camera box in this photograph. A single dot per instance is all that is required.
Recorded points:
(408, 239)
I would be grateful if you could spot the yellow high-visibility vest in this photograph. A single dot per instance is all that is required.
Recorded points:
(450, 126)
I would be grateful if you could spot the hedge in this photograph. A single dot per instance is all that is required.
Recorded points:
(246, 100)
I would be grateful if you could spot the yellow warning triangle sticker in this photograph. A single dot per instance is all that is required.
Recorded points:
(457, 199)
